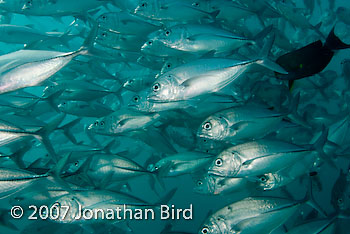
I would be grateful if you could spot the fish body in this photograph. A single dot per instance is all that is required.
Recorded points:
(250, 215)
(181, 163)
(123, 121)
(256, 158)
(239, 123)
(192, 38)
(49, 7)
(25, 68)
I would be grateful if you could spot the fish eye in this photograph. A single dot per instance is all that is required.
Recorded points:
(207, 126)
(218, 162)
(104, 17)
(102, 123)
(263, 179)
(195, 4)
(104, 34)
(76, 163)
(150, 42)
(205, 230)
(136, 98)
(96, 123)
(131, 81)
(169, 65)
(156, 87)
(156, 168)
(167, 33)
(340, 201)
(199, 183)
(144, 4)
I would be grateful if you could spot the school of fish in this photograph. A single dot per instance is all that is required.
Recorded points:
(239, 107)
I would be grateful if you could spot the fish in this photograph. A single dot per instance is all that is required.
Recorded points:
(240, 123)
(26, 68)
(81, 108)
(180, 164)
(15, 180)
(301, 63)
(287, 175)
(161, 10)
(17, 34)
(192, 38)
(123, 121)
(49, 7)
(318, 226)
(216, 185)
(204, 76)
(340, 198)
(126, 23)
(256, 158)
(251, 215)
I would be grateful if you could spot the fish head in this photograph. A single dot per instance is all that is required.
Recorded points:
(267, 182)
(101, 126)
(107, 20)
(214, 225)
(132, 84)
(214, 127)
(139, 103)
(103, 35)
(165, 89)
(27, 4)
(157, 48)
(162, 167)
(205, 185)
(63, 106)
(68, 207)
(51, 90)
(226, 163)
(145, 9)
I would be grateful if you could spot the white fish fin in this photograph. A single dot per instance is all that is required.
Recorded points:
(240, 125)
(264, 61)
(204, 36)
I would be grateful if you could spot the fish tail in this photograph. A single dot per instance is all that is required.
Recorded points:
(43, 135)
(334, 43)
(319, 144)
(264, 59)
(86, 48)
(309, 199)
(259, 38)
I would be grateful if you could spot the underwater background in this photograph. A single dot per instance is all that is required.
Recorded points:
(99, 122)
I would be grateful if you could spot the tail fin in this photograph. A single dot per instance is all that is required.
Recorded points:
(264, 60)
(334, 43)
(67, 130)
(258, 38)
(88, 44)
(309, 199)
(319, 144)
(43, 135)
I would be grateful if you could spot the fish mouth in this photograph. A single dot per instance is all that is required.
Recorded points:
(216, 173)
(154, 98)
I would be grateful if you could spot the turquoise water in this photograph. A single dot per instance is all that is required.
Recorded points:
(77, 136)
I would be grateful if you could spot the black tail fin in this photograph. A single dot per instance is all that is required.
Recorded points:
(334, 43)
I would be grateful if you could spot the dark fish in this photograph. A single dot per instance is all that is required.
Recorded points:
(311, 59)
